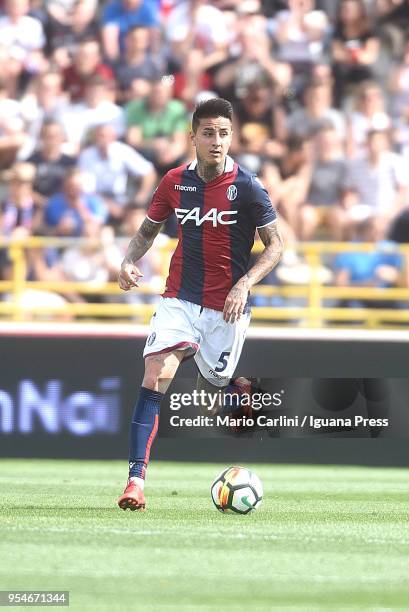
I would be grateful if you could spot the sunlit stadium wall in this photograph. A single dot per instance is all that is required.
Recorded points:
(71, 393)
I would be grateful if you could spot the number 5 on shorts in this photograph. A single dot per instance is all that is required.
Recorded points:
(223, 361)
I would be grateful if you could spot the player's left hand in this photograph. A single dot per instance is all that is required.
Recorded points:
(236, 301)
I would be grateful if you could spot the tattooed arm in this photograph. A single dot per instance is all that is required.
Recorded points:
(129, 274)
(269, 258)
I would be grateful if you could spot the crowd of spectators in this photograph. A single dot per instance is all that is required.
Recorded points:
(96, 100)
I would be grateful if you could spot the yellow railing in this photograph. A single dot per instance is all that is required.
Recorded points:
(314, 313)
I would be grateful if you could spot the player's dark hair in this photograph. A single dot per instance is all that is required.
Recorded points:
(213, 108)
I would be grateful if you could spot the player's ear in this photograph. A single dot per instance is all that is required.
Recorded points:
(192, 137)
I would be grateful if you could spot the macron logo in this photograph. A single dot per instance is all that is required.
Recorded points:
(222, 217)
(184, 188)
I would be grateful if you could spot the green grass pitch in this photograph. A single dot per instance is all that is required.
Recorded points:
(325, 538)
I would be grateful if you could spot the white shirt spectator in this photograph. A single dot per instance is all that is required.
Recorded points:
(78, 119)
(360, 125)
(11, 114)
(210, 27)
(22, 37)
(111, 172)
(377, 186)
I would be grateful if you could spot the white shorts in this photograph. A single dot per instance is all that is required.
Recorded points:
(202, 333)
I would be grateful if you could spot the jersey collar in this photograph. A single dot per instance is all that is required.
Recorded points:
(228, 164)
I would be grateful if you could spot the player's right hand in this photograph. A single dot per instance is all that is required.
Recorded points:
(129, 276)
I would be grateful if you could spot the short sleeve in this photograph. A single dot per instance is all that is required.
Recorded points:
(261, 208)
(160, 208)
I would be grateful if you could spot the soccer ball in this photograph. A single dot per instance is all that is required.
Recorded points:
(237, 490)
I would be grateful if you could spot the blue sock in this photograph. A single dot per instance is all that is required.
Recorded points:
(144, 427)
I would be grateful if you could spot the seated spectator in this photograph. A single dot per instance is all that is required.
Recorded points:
(64, 35)
(67, 213)
(18, 210)
(51, 163)
(251, 62)
(111, 162)
(19, 216)
(22, 35)
(158, 126)
(355, 47)
(12, 127)
(380, 267)
(96, 261)
(11, 72)
(300, 34)
(368, 114)
(96, 109)
(119, 16)
(271, 179)
(327, 180)
(375, 185)
(138, 62)
(295, 170)
(316, 113)
(284, 90)
(45, 100)
(201, 27)
(86, 64)
(257, 109)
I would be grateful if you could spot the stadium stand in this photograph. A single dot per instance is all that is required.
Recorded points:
(95, 102)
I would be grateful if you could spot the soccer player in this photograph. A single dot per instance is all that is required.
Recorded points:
(204, 310)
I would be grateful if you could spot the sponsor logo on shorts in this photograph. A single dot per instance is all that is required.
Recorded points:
(185, 188)
(215, 375)
(151, 339)
(231, 193)
(216, 217)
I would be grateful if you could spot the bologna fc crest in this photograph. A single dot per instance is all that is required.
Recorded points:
(231, 193)
(151, 339)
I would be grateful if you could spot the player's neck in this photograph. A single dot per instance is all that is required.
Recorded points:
(209, 172)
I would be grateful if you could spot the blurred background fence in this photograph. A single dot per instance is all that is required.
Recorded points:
(304, 294)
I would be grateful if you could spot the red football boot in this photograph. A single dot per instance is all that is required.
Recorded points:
(132, 498)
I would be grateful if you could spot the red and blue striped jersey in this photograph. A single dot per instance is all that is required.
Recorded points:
(216, 228)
